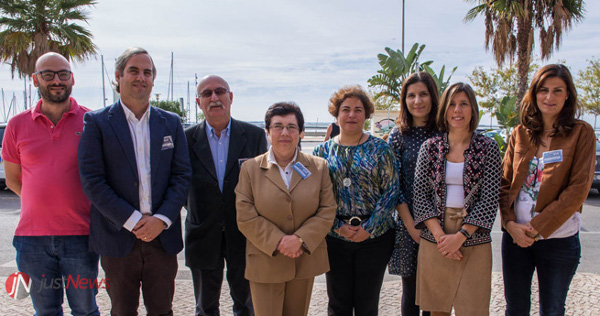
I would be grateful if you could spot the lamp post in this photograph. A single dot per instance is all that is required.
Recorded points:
(403, 26)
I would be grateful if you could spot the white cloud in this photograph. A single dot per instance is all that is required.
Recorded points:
(274, 50)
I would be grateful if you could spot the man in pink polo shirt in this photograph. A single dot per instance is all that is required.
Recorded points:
(40, 160)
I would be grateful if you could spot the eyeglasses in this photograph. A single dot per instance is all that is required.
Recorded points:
(48, 75)
(209, 93)
(279, 128)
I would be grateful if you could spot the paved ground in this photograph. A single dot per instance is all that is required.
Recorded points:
(584, 298)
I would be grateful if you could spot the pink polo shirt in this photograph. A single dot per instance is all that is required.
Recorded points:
(52, 201)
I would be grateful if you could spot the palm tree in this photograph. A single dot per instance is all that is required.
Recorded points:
(395, 67)
(510, 27)
(31, 28)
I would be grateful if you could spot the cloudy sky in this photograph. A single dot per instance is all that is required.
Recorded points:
(280, 50)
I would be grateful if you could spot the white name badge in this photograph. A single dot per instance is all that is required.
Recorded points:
(553, 156)
(302, 171)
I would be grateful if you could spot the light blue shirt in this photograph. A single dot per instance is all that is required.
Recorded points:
(219, 148)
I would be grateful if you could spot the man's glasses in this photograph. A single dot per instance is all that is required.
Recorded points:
(291, 128)
(48, 75)
(209, 93)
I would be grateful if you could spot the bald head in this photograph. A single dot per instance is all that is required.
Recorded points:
(52, 61)
(212, 79)
(54, 79)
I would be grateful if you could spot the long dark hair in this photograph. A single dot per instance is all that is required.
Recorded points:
(531, 117)
(405, 119)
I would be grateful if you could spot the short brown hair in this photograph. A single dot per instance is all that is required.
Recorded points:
(125, 57)
(531, 117)
(355, 91)
(447, 96)
(283, 109)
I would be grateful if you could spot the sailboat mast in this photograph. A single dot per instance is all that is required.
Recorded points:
(103, 87)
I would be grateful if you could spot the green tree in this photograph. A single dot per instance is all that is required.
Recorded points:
(31, 28)
(171, 106)
(395, 67)
(493, 85)
(510, 26)
(507, 114)
(588, 82)
(441, 83)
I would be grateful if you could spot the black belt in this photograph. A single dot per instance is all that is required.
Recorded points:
(353, 220)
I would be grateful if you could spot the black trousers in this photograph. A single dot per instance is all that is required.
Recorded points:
(356, 274)
(409, 290)
(148, 265)
(207, 288)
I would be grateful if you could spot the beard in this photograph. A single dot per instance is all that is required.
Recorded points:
(55, 98)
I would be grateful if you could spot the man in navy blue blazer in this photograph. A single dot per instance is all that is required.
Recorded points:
(135, 169)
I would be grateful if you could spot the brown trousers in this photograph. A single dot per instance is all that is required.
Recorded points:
(291, 298)
(151, 266)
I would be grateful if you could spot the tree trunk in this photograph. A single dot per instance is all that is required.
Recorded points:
(524, 47)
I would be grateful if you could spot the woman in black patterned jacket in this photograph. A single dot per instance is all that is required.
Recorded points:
(456, 190)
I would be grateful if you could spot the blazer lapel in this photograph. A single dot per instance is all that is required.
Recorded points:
(201, 149)
(272, 173)
(118, 122)
(157, 133)
(237, 142)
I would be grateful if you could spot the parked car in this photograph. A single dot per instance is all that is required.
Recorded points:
(2, 175)
(596, 183)
(491, 133)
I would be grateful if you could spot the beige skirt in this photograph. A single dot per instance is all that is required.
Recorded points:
(444, 283)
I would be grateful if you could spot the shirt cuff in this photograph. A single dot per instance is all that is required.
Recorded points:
(132, 220)
(164, 219)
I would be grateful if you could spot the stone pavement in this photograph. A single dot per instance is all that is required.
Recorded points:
(583, 299)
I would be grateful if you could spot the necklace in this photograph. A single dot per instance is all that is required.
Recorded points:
(346, 181)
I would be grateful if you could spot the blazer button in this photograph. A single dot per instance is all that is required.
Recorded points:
(290, 217)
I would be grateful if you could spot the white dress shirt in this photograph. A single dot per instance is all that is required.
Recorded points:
(286, 173)
(140, 136)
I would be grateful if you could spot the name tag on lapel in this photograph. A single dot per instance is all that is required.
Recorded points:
(167, 143)
(553, 156)
(302, 171)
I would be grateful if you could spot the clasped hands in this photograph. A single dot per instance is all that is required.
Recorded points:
(290, 246)
(449, 245)
(524, 235)
(148, 228)
(353, 233)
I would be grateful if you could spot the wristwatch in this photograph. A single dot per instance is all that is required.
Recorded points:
(465, 233)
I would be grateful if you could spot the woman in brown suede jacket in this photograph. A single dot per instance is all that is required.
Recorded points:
(547, 173)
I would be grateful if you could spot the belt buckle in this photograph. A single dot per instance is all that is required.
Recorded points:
(354, 221)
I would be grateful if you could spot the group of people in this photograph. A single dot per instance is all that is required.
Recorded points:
(109, 185)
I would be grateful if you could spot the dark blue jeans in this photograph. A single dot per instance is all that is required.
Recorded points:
(56, 264)
(555, 260)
